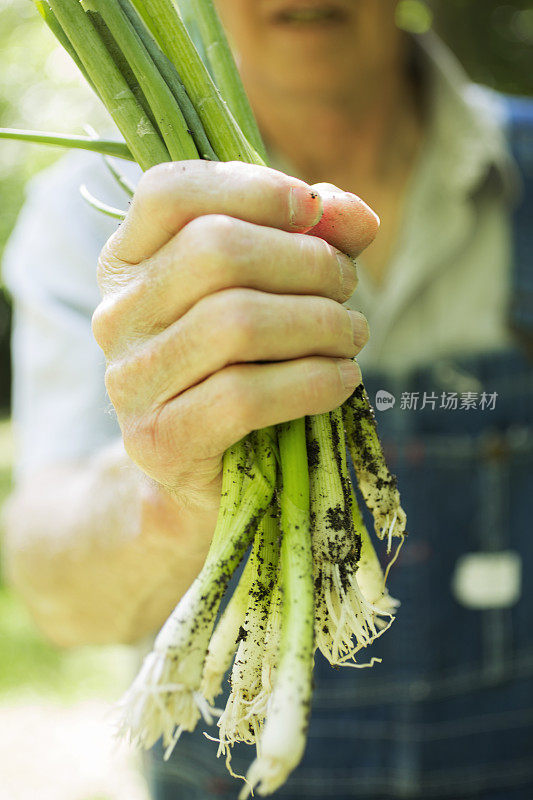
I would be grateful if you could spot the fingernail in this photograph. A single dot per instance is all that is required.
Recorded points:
(349, 372)
(305, 207)
(348, 272)
(360, 329)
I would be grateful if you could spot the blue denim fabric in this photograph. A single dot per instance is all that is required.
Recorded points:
(519, 112)
(449, 711)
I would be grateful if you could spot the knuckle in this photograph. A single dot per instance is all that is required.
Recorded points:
(214, 243)
(104, 324)
(238, 320)
(227, 321)
(211, 228)
(149, 188)
(195, 232)
(156, 195)
(99, 326)
(116, 384)
(225, 237)
(220, 234)
(128, 379)
(121, 318)
(152, 440)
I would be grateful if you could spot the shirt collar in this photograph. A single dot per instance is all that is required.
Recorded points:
(465, 123)
(464, 154)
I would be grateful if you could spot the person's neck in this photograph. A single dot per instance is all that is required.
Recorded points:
(365, 134)
(365, 141)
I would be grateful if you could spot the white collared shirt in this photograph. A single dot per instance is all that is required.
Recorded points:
(446, 288)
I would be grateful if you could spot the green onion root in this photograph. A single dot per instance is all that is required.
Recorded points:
(165, 698)
(376, 483)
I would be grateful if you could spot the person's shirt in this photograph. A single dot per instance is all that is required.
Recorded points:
(446, 288)
(445, 291)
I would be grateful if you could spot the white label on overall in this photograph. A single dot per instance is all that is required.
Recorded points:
(488, 580)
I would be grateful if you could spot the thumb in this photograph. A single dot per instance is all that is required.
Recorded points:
(347, 222)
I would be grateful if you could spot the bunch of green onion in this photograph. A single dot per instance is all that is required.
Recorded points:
(312, 579)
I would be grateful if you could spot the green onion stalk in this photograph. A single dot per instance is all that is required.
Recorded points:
(282, 742)
(312, 578)
(245, 710)
(165, 699)
(226, 636)
(346, 619)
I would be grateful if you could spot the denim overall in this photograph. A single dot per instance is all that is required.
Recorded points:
(449, 711)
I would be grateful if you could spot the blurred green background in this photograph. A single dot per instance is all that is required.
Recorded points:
(55, 740)
(41, 89)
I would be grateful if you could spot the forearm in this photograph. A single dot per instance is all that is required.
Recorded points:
(100, 553)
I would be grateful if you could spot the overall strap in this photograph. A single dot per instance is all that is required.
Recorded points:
(520, 138)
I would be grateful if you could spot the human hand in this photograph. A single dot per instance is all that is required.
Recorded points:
(221, 316)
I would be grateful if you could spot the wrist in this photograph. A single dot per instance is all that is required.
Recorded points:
(151, 510)
(165, 515)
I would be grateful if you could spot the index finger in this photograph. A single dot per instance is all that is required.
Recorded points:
(171, 195)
